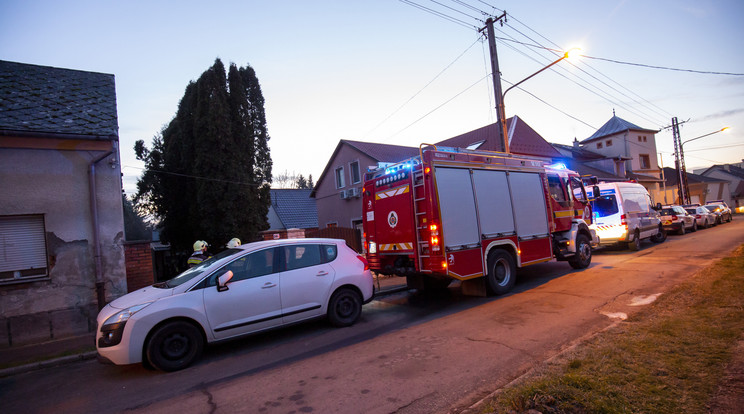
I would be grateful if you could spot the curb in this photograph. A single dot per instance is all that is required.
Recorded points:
(47, 364)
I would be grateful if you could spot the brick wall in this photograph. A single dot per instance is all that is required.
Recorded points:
(138, 258)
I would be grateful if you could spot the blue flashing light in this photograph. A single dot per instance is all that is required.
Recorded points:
(558, 166)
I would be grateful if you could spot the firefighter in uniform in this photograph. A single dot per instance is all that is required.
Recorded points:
(200, 253)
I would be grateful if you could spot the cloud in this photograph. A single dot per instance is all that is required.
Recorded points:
(722, 114)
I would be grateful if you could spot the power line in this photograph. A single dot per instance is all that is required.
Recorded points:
(194, 176)
(663, 67)
(438, 14)
(425, 86)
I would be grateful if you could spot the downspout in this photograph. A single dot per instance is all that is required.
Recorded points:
(100, 284)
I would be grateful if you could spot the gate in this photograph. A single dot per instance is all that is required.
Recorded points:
(353, 237)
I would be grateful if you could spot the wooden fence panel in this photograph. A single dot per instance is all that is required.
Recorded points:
(353, 237)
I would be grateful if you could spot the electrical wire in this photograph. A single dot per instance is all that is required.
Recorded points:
(194, 176)
(664, 67)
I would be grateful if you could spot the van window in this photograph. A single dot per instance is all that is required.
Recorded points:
(605, 205)
(635, 201)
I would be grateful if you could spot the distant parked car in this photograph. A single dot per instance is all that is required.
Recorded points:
(721, 210)
(251, 288)
(703, 216)
(675, 218)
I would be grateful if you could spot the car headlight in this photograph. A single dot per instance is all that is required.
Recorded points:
(113, 329)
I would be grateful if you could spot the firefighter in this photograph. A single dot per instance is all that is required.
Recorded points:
(200, 253)
(233, 243)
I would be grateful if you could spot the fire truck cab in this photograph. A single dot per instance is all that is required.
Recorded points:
(474, 216)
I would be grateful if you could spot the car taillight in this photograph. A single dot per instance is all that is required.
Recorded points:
(623, 221)
(434, 231)
(366, 263)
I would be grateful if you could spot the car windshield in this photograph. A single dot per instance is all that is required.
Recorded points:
(605, 206)
(196, 271)
(691, 210)
(713, 207)
(667, 212)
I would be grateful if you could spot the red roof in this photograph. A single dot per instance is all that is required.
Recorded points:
(522, 139)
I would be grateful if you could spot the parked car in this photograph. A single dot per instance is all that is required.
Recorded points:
(675, 218)
(251, 288)
(703, 216)
(721, 210)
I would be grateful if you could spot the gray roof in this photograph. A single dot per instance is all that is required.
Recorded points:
(42, 100)
(672, 177)
(384, 152)
(295, 208)
(615, 125)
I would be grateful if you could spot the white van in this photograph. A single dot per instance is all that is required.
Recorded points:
(624, 213)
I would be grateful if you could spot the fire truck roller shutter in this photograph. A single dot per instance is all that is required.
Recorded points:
(494, 204)
(529, 205)
(457, 206)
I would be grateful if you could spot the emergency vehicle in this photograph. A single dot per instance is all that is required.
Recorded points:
(474, 216)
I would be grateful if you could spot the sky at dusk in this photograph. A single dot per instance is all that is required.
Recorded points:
(406, 72)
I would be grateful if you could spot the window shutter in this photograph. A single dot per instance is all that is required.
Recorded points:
(22, 243)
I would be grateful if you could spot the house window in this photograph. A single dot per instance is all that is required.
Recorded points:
(332, 224)
(23, 254)
(644, 138)
(340, 183)
(599, 145)
(356, 176)
(609, 143)
(645, 161)
(640, 138)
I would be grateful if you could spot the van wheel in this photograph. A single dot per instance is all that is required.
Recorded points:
(583, 256)
(681, 230)
(660, 236)
(174, 346)
(694, 226)
(344, 307)
(706, 225)
(635, 245)
(502, 272)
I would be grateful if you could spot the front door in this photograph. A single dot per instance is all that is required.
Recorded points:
(252, 301)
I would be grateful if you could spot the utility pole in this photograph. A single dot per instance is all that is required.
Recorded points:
(498, 95)
(683, 189)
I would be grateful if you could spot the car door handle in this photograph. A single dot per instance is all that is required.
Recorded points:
(322, 273)
(268, 285)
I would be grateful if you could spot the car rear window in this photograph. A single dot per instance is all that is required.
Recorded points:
(667, 211)
(691, 210)
(605, 206)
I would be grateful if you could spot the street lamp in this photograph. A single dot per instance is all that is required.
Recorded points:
(568, 54)
(682, 171)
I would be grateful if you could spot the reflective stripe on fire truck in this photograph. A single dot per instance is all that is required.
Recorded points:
(563, 213)
(395, 247)
(390, 193)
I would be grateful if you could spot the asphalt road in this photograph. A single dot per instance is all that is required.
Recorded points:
(410, 353)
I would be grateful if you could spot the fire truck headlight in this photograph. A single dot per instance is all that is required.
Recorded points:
(372, 247)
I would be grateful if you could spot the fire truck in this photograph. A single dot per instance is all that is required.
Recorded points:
(474, 216)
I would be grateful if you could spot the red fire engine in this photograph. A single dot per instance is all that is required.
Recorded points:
(473, 216)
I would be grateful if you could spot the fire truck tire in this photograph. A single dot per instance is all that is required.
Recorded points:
(344, 307)
(635, 245)
(502, 272)
(583, 257)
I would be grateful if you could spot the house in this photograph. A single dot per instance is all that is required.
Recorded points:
(702, 189)
(291, 214)
(339, 188)
(734, 175)
(61, 218)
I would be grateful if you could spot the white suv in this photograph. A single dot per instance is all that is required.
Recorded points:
(252, 288)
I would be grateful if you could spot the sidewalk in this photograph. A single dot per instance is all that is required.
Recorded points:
(16, 360)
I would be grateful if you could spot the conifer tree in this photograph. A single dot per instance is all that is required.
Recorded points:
(208, 177)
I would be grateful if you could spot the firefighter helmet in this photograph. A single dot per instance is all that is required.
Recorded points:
(233, 243)
(199, 245)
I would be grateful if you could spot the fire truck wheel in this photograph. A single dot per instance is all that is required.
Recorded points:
(502, 272)
(635, 245)
(344, 307)
(583, 256)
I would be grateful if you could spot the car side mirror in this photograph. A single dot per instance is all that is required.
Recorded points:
(658, 207)
(223, 280)
(595, 192)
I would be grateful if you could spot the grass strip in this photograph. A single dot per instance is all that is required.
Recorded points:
(667, 358)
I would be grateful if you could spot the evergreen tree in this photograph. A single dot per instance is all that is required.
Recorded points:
(301, 182)
(208, 177)
(310, 183)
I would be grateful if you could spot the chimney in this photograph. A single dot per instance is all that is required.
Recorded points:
(576, 144)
